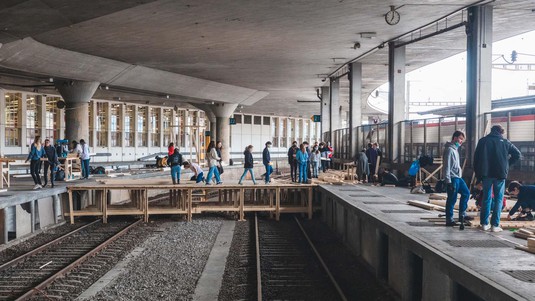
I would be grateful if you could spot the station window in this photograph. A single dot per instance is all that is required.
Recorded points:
(238, 118)
(293, 130)
(167, 129)
(52, 116)
(154, 126)
(32, 121)
(247, 119)
(129, 125)
(182, 115)
(258, 120)
(283, 132)
(274, 132)
(91, 123)
(306, 131)
(142, 126)
(115, 124)
(267, 120)
(12, 119)
(101, 126)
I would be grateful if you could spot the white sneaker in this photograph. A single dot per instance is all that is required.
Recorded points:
(496, 229)
(484, 227)
(37, 186)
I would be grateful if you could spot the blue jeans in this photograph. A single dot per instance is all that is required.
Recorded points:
(175, 173)
(459, 186)
(85, 168)
(269, 170)
(497, 186)
(200, 176)
(314, 169)
(213, 170)
(303, 172)
(250, 170)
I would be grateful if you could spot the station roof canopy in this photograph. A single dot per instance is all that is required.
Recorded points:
(262, 54)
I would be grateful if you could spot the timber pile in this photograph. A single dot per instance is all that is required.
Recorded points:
(424, 205)
(471, 204)
(529, 234)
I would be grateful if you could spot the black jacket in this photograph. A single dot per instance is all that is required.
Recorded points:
(248, 163)
(291, 152)
(50, 154)
(266, 156)
(175, 159)
(493, 156)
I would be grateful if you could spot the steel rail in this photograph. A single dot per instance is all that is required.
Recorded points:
(42, 247)
(338, 289)
(42, 285)
(258, 268)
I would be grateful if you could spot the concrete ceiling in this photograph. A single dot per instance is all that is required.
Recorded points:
(240, 49)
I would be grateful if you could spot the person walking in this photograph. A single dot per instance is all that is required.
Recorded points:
(302, 160)
(219, 150)
(36, 152)
(363, 168)
(315, 158)
(51, 162)
(213, 158)
(83, 154)
(266, 160)
(175, 162)
(454, 179)
(492, 158)
(292, 161)
(248, 164)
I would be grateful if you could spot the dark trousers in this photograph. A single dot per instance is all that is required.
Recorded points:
(35, 167)
(293, 170)
(85, 168)
(52, 166)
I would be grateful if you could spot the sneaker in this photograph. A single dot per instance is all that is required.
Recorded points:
(219, 183)
(529, 216)
(496, 229)
(484, 227)
(451, 224)
(37, 186)
(52, 185)
(44, 185)
(240, 183)
(207, 183)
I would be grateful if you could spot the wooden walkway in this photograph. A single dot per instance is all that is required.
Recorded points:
(146, 197)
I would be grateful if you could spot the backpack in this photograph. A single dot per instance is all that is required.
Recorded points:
(176, 159)
(440, 187)
(415, 166)
(427, 187)
(60, 175)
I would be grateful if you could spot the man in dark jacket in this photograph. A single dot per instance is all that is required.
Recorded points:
(292, 151)
(51, 162)
(266, 159)
(248, 164)
(492, 159)
(175, 161)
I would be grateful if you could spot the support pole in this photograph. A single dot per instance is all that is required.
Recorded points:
(396, 101)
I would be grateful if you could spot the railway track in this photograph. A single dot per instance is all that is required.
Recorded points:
(288, 265)
(29, 274)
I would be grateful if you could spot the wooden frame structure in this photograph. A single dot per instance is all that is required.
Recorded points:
(184, 199)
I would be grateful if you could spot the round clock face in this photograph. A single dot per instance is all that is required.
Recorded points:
(392, 17)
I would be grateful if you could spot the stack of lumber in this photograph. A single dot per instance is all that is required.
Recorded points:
(425, 205)
(471, 203)
(336, 177)
(529, 234)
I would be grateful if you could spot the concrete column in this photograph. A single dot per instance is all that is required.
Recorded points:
(40, 102)
(325, 126)
(478, 74)
(60, 121)
(222, 113)
(355, 106)
(334, 108)
(76, 95)
(396, 101)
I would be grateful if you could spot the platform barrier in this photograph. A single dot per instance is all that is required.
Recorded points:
(145, 198)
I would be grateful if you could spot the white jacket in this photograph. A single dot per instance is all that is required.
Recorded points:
(212, 158)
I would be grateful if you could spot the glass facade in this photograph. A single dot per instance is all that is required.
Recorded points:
(32, 119)
(115, 124)
(12, 120)
(129, 125)
(141, 126)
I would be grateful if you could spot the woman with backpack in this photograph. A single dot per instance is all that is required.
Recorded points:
(248, 164)
(175, 161)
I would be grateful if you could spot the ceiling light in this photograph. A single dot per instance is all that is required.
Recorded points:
(368, 35)
(167, 96)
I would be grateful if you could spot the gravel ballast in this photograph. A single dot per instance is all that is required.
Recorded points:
(170, 265)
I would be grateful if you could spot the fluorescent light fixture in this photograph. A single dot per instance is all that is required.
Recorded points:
(368, 35)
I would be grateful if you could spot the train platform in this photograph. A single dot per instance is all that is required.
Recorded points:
(419, 258)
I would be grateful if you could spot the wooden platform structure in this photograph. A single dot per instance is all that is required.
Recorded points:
(146, 197)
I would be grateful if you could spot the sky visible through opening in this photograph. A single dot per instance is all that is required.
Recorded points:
(445, 81)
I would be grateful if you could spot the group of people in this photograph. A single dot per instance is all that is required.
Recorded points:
(306, 162)
(492, 158)
(50, 154)
(367, 162)
(213, 158)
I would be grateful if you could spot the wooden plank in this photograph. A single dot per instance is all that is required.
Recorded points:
(525, 249)
(423, 205)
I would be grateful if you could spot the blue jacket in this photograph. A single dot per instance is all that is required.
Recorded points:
(36, 154)
(302, 157)
(493, 156)
(266, 157)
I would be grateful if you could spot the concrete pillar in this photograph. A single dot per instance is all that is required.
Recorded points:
(325, 126)
(478, 74)
(40, 102)
(396, 101)
(222, 113)
(334, 108)
(76, 95)
(355, 107)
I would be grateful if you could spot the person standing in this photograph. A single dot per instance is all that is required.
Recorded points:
(36, 152)
(307, 148)
(492, 158)
(292, 161)
(248, 164)
(175, 162)
(454, 179)
(51, 162)
(324, 155)
(213, 158)
(330, 153)
(219, 150)
(363, 168)
(266, 159)
(372, 155)
(83, 154)
(315, 158)
(302, 160)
